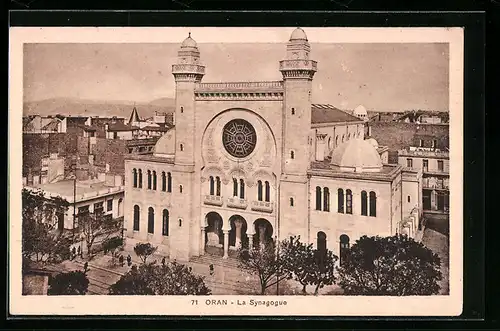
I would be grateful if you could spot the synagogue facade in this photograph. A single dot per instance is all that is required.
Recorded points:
(251, 162)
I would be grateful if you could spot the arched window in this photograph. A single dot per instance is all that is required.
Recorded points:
(181, 147)
(348, 201)
(182, 110)
(293, 111)
(134, 176)
(137, 217)
(373, 204)
(217, 186)
(268, 191)
(164, 222)
(364, 203)
(291, 202)
(242, 189)
(212, 185)
(409, 199)
(343, 137)
(292, 155)
(180, 222)
(336, 141)
(340, 200)
(151, 220)
(318, 198)
(163, 181)
(154, 180)
(149, 179)
(180, 188)
(259, 190)
(326, 199)
(344, 247)
(348, 136)
(235, 187)
(321, 241)
(169, 182)
(140, 178)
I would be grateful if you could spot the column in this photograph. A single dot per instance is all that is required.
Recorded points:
(202, 241)
(238, 224)
(250, 240)
(226, 244)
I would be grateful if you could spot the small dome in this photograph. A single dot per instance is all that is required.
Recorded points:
(189, 42)
(373, 142)
(360, 111)
(165, 146)
(356, 155)
(298, 34)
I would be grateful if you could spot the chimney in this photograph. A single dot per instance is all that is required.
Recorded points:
(320, 146)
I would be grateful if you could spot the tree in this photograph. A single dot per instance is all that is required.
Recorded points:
(144, 250)
(308, 265)
(42, 241)
(96, 225)
(112, 245)
(269, 265)
(395, 265)
(69, 283)
(299, 257)
(160, 279)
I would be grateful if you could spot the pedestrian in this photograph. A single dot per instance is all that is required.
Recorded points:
(129, 260)
(211, 268)
(163, 261)
(73, 253)
(120, 259)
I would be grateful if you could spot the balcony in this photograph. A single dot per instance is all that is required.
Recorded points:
(213, 200)
(435, 186)
(264, 206)
(236, 202)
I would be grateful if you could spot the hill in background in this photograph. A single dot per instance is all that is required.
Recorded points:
(77, 107)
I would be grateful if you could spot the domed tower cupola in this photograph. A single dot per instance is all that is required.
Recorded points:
(297, 63)
(188, 66)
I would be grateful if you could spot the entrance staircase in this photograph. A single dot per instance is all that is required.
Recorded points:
(227, 277)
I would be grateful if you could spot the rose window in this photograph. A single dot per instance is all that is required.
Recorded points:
(239, 138)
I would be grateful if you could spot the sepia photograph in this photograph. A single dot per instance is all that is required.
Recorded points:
(225, 171)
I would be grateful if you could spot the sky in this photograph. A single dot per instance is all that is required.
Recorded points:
(381, 77)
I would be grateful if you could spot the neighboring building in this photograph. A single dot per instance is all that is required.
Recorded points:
(44, 124)
(105, 194)
(249, 162)
(430, 155)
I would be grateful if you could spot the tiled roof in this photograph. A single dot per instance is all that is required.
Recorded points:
(52, 126)
(121, 127)
(155, 128)
(326, 113)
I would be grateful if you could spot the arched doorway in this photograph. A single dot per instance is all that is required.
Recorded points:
(344, 247)
(214, 237)
(263, 232)
(238, 233)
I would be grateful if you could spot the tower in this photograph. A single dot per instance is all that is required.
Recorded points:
(298, 71)
(187, 72)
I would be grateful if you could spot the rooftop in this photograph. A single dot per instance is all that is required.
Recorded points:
(326, 113)
(151, 158)
(121, 127)
(84, 189)
(325, 169)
